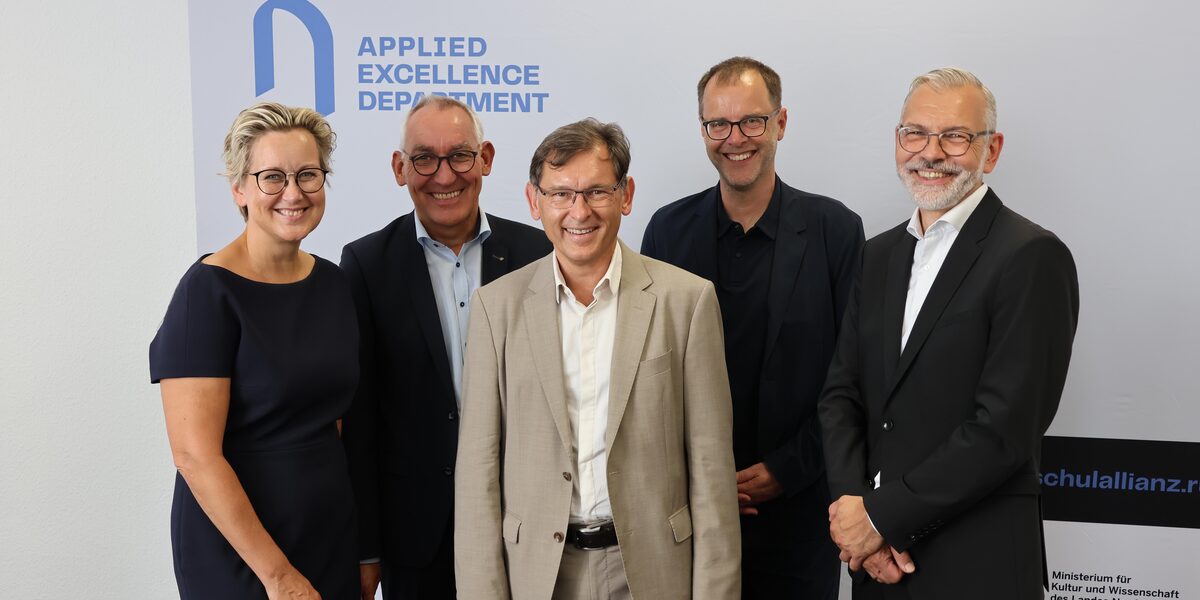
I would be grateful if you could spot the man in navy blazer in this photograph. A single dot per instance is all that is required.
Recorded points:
(412, 282)
(782, 261)
(953, 356)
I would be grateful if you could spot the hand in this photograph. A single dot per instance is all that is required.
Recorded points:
(755, 485)
(291, 585)
(887, 565)
(368, 579)
(851, 530)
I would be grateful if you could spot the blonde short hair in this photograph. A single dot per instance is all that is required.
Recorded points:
(266, 117)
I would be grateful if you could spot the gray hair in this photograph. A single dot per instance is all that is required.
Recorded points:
(569, 140)
(444, 103)
(954, 77)
(266, 117)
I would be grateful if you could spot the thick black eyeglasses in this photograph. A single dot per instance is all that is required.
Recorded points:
(952, 143)
(274, 181)
(427, 164)
(752, 126)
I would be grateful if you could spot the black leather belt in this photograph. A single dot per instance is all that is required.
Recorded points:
(596, 536)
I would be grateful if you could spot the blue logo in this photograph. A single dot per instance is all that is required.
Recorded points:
(322, 37)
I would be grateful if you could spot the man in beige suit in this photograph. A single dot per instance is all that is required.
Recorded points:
(595, 459)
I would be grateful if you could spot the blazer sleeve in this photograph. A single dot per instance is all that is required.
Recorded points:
(708, 417)
(479, 564)
(360, 425)
(1033, 315)
(842, 414)
(798, 463)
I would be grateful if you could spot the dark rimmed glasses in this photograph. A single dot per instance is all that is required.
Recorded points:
(953, 143)
(427, 164)
(751, 126)
(274, 181)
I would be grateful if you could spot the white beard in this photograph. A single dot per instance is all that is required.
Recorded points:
(940, 198)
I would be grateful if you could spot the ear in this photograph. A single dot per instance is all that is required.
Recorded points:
(239, 194)
(782, 122)
(535, 211)
(995, 145)
(627, 202)
(487, 153)
(398, 167)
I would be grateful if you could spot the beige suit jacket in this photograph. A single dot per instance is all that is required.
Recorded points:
(671, 477)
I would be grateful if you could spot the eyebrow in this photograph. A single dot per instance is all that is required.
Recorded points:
(430, 150)
(927, 129)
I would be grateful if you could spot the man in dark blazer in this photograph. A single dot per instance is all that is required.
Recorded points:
(412, 282)
(953, 356)
(782, 261)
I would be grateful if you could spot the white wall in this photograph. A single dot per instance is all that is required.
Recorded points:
(98, 222)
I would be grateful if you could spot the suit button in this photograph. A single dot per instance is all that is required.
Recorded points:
(567, 476)
(887, 425)
(451, 416)
(448, 470)
(558, 537)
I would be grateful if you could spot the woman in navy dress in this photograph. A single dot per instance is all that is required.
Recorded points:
(258, 359)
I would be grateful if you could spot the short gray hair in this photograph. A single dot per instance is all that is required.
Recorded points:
(954, 77)
(266, 117)
(569, 140)
(444, 103)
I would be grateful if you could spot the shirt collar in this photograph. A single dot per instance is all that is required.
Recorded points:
(955, 217)
(768, 223)
(484, 231)
(611, 279)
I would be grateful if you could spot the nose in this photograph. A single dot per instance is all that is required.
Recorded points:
(932, 152)
(291, 188)
(735, 135)
(444, 174)
(580, 210)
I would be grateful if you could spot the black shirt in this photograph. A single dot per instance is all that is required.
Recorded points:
(743, 280)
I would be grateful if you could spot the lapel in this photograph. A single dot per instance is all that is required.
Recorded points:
(698, 253)
(635, 306)
(790, 244)
(895, 296)
(958, 263)
(494, 262)
(414, 275)
(540, 312)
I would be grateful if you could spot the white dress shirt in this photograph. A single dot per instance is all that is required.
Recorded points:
(932, 247)
(587, 348)
(454, 277)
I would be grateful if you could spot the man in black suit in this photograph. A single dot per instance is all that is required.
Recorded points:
(952, 359)
(412, 282)
(782, 261)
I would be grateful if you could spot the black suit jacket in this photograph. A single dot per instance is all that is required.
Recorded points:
(816, 252)
(954, 423)
(401, 434)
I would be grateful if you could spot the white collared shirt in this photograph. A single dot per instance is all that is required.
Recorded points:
(588, 333)
(454, 278)
(933, 245)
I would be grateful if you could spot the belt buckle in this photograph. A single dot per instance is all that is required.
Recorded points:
(584, 532)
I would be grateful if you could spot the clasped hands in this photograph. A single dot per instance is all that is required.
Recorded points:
(861, 546)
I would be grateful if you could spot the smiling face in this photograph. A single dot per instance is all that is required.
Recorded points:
(584, 237)
(446, 202)
(743, 163)
(292, 214)
(938, 182)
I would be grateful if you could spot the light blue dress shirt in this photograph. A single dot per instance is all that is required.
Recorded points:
(454, 279)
